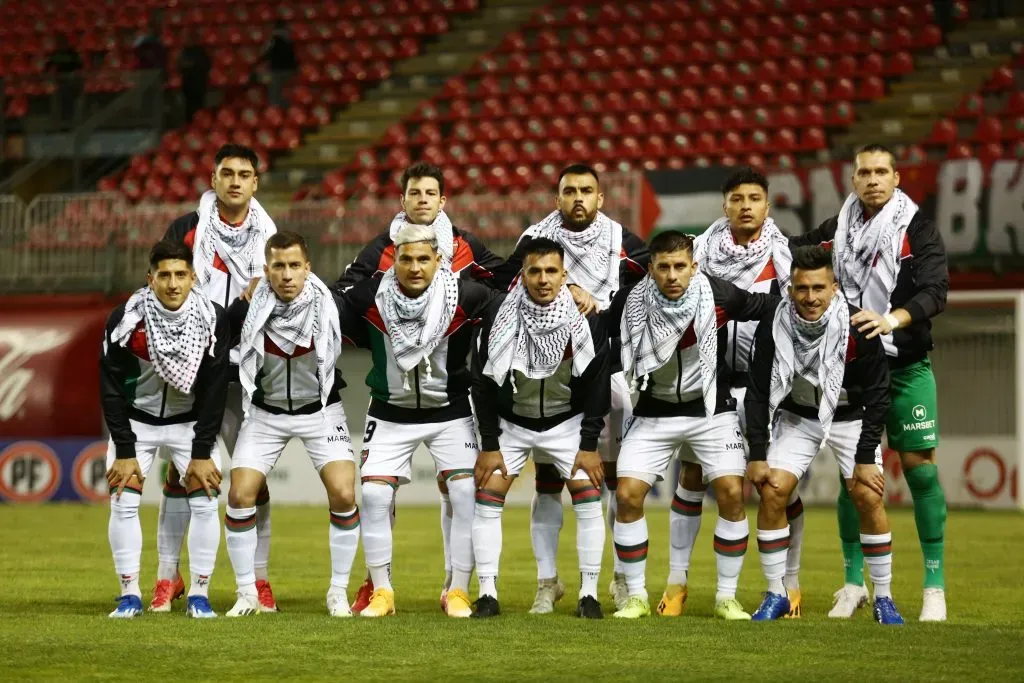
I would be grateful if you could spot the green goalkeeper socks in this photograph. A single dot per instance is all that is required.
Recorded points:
(930, 515)
(849, 534)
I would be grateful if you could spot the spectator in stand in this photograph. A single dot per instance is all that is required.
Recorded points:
(65, 66)
(279, 56)
(150, 51)
(194, 67)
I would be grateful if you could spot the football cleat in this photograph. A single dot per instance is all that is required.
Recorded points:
(363, 596)
(774, 606)
(730, 609)
(635, 608)
(548, 593)
(247, 604)
(886, 613)
(589, 608)
(673, 600)
(458, 604)
(128, 607)
(486, 606)
(619, 592)
(165, 592)
(199, 607)
(266, 596)
(337, 605)
(934, 606)
(848, 600)
(382, 604)
(794, 604)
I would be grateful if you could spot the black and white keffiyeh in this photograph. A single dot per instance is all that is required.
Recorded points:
(719, 256)
(859, 242)
(653, 324)
(417, 325)
(532, 338)
(442, 227)
(240, 248)
(592, 255)
(311, 318)
(814, 350)
(176, 340)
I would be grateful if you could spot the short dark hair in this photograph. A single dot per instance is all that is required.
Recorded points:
(286, 239)
(744, 176)
(578, 169)
(812, 257)
(422, 169)
(540, 246)
(165, 250)
(668, 241)
(873, 147)
(233, 151)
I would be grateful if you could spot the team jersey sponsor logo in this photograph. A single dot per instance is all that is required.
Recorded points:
(919, 413)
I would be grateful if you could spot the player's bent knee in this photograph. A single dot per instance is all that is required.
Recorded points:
(912, 459)
(630, 496)
(729, 494)
(865, 499)
(774, 498)
(342, 499)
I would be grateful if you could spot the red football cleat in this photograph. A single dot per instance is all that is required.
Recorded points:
(165, 592)
(363, 596)
(266, 596)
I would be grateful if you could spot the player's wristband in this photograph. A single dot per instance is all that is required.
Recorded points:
(893, 321)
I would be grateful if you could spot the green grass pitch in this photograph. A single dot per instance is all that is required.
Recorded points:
(58, 586)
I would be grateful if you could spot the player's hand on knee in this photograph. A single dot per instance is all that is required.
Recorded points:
(870, 476)
(759, 473)
(204, 473)
(589, 462)
(487, 463)
(122, 471)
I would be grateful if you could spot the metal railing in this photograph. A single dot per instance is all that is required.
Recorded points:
(98, 242)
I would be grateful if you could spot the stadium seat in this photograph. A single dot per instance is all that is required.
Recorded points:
(989, 129)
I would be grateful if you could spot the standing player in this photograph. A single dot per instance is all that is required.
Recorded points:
(418, 321)
(891, 263)
(673, 346)
(290, 342)
(423, 201)
(163, 381)
(601, 258)
(818, 379)
(541, 382)
(746, 248)
(227, 236)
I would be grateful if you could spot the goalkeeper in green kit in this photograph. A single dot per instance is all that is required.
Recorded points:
(891, 263)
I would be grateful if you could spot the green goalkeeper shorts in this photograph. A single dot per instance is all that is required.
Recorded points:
(913, 420)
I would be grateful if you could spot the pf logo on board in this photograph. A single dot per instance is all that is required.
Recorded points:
(89, 473)
(30, 472)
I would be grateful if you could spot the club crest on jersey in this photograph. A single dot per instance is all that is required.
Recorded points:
(363, 455)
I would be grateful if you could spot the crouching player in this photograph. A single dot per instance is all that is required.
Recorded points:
(673, 328)
(163, 383)
(817, 380)
(541, 382)
(290, 342)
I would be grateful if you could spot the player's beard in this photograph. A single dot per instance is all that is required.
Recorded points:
(569, 223)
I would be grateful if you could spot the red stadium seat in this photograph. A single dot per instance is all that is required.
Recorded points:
(959, 150)
(989, 129)
(990, 152)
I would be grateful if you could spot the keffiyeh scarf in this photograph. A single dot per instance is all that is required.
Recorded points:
(652, 326)
(592, 255)
(310, 319)
(719, 256)
(532, 338)
(240, 248)
(814, 350)
(176, 340)
(442, 227)
(859, 242)
(417, 325)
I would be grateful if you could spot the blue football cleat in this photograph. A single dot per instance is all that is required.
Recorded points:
(199, 608)
(128, 607)
(773, 607)
(886, 613)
